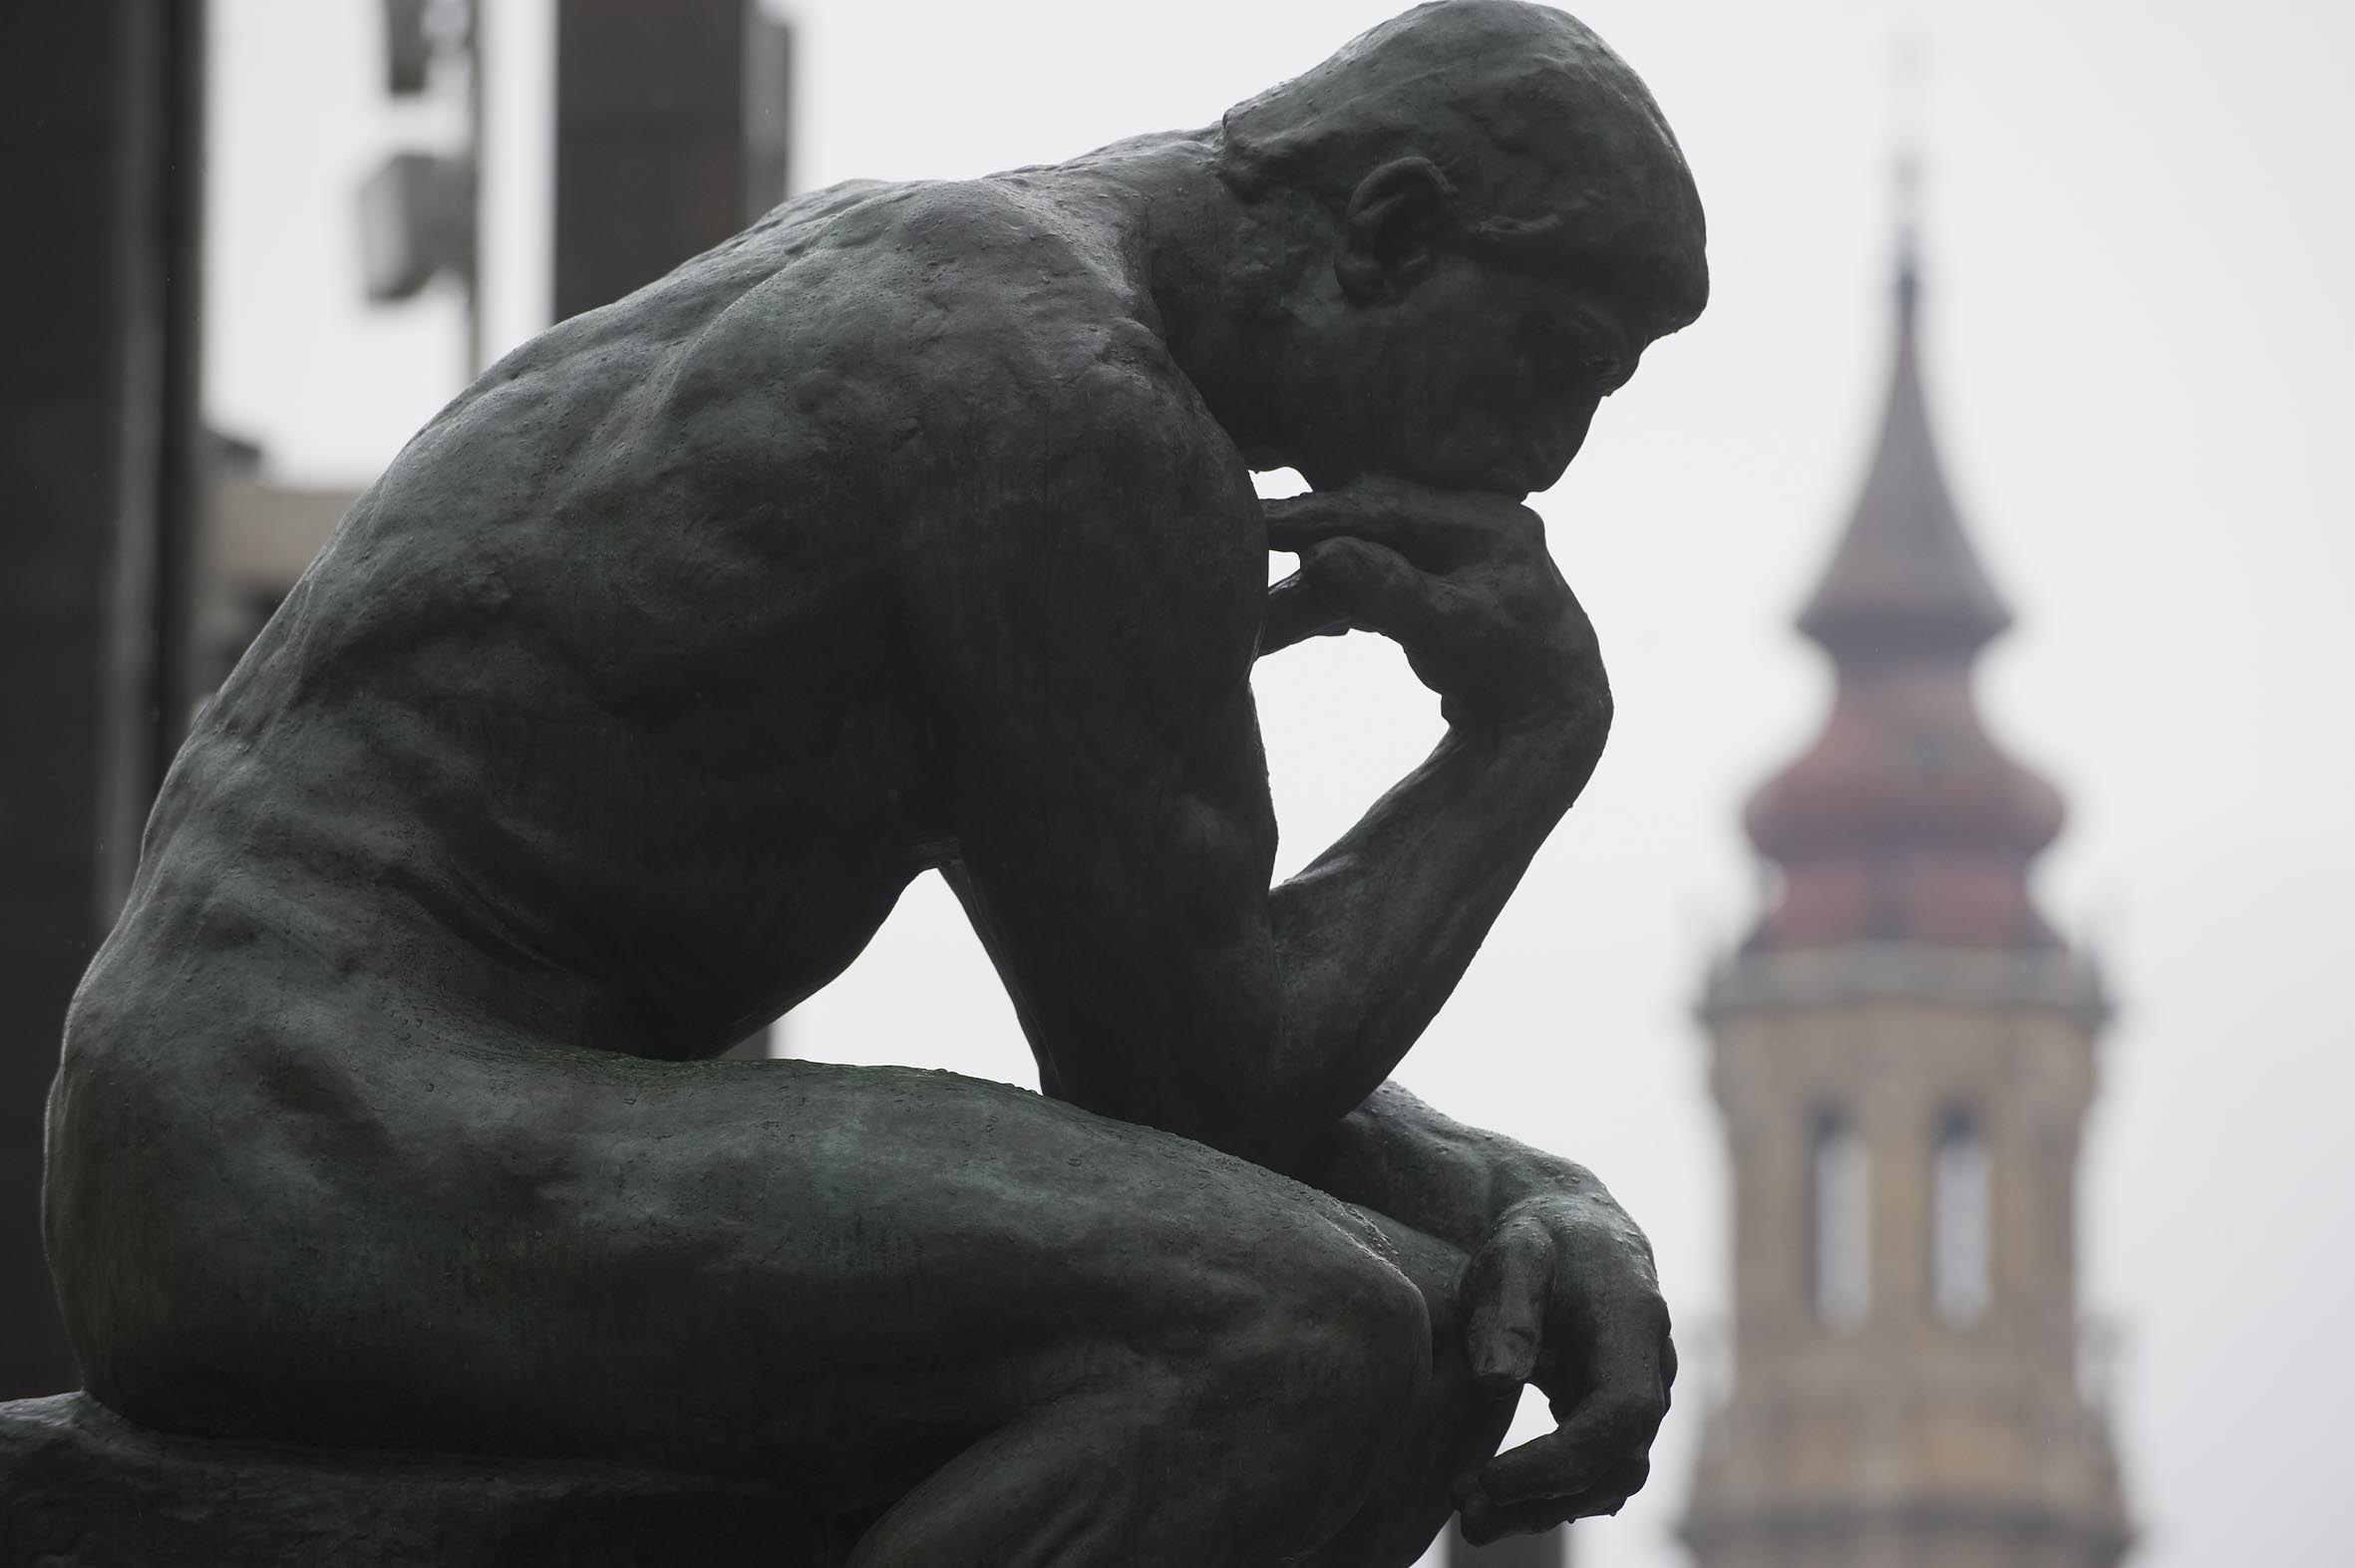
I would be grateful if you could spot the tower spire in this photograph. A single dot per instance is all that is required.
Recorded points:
(1908, 193)
(1904, 821)
(1909, 72)
(1905, 571)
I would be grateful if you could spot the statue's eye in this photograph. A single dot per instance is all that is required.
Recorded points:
(1574, 355)
(1594, 347)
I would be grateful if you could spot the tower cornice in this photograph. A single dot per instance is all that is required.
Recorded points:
(2049, 977)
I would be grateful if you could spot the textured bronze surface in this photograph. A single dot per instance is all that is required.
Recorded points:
(913, 528)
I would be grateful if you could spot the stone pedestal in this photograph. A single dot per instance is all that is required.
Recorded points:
(80, 1488)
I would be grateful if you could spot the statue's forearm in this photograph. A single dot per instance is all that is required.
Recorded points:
(1371, 937)
(1256, 1018)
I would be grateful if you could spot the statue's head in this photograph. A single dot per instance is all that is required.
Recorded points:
(1498, 221)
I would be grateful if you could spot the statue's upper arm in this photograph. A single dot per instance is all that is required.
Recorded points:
(1092, 632)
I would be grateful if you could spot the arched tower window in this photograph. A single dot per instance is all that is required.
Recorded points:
(1841, 1220)
(1959, 1217)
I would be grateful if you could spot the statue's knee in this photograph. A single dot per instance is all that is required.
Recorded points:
(1389, 1327)
(1353, 1351)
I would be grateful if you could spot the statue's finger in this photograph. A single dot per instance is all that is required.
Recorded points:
(1378, 590)
(1606, 1430)
(1510, 1283)
(1552, 1465)
(1434, 527)
(1486, 1520)
(1299, 521)
(1297, 611)
(1630, 1361)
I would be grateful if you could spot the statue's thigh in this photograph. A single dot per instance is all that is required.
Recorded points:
(849, 1272)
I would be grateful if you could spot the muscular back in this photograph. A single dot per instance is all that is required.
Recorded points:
(616, 707)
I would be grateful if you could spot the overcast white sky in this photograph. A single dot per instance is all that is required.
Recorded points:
(2139, 327)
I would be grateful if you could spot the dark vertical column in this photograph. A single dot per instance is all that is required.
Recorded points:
(99, 175)
(768, 112)
(673, 131)
(185, 453)
(669, 136)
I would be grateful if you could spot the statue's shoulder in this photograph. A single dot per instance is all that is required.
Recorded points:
(987, 339)
(987, 318)
(1002, 274)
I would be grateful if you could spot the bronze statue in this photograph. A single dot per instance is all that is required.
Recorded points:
(914, 529)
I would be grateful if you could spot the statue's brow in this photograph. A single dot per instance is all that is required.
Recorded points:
(1654, 276)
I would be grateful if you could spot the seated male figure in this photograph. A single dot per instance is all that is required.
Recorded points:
(914, 528)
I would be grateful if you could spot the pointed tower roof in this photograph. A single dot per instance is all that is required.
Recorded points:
(1905, 569)
(1904, 821)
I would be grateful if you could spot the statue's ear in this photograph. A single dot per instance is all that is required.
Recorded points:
(1391, 234)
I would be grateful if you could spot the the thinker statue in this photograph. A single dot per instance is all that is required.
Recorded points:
(914, 528)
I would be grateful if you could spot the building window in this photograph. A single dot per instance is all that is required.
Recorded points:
(1841, 1214)
(1959, 1218)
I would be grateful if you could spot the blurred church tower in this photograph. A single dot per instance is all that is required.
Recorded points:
(1903, 1054)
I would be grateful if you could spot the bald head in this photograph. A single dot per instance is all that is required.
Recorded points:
(1556, 154)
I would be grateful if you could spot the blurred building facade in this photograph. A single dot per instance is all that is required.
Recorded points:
(672, 132)
(1903, 1054)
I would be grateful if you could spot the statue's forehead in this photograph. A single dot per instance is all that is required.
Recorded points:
(1589, 151)
(1646, 248)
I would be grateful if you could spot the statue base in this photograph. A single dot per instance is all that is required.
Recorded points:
(81, 1487)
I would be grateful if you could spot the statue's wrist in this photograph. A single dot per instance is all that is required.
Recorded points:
(1556, 741)
(1537, 1176)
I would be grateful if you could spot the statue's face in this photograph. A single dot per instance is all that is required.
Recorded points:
(1481, 367)
(1488, 376)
